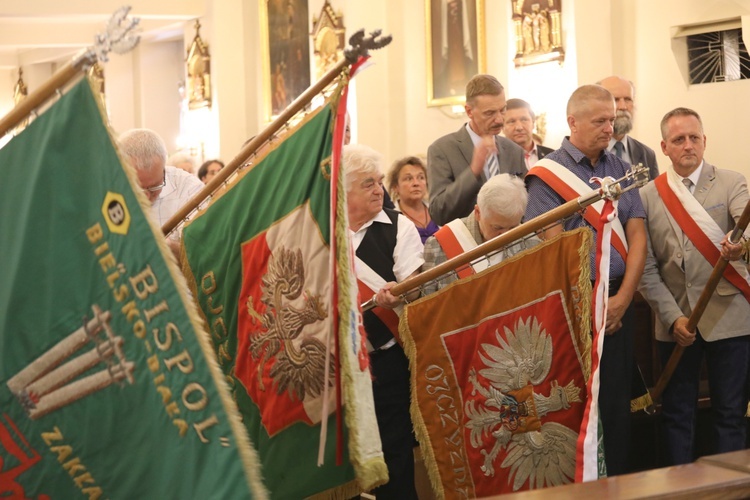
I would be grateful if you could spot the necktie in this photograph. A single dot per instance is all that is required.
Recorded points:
(492, 166)
(688, 184)
(619, 148)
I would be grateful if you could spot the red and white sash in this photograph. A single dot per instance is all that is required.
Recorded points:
(455, 239)
(369, 283)
(588, 460)
(698, 226)
(569, 186)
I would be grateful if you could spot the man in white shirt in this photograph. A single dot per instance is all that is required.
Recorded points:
(179, 188)
(167, 188)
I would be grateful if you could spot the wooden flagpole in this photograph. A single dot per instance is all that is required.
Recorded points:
(359, 47)
(118, 37)
(43, 93)
(700, 307)
(638, 174)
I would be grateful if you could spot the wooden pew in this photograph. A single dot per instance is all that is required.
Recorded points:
(703, 479)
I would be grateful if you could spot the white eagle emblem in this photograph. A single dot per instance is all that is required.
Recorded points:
(541, 452)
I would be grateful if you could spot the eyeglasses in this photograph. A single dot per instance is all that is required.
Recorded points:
(158, 187)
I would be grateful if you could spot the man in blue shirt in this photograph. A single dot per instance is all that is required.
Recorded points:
(591, 115)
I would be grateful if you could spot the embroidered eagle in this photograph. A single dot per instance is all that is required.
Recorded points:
(299, 366)
(511, 413)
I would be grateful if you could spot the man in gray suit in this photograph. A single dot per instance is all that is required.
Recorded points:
(621, 144)
(460, 163)
(689, 210)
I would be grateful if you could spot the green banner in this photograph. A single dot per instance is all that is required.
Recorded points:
(260, 263)
(108, 385)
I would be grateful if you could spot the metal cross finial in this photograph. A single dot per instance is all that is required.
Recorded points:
(612, 189)
(119, 37)
(359, 45)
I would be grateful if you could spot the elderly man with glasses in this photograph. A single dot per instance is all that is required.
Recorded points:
(168, 188)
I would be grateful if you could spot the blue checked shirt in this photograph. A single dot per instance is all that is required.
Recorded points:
(543, 198)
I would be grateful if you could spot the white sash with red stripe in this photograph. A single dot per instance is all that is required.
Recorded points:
(569, 186)
(698, 226)
(588, 459)
(370, 281)
(455, 239)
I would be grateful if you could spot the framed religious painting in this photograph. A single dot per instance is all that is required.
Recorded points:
(537, 25)
(286, 52)
(455, 48)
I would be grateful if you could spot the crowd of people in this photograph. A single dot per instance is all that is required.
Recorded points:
(475, 184)
(476, 192)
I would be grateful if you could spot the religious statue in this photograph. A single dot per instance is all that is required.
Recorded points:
(199, 72)
(532, 37)
(538, 32)
(20, 92)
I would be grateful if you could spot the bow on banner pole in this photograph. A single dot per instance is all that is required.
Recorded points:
(360, 45)
(638, 174)
(120, 37)
(700, 307)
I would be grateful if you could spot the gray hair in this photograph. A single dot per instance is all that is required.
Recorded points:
(142, 146)
(360, 159)
(678, 112)
(504, 195)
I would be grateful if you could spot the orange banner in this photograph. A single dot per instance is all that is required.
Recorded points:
(499, 364)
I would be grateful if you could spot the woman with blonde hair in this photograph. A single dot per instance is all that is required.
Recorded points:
(407, 182)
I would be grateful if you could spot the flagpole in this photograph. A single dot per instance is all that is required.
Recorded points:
(118, 37)
(638, 174)
(43, 93)
(700, 307)
(359, 47)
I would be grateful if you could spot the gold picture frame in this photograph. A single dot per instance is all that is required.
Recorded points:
(285, 41)
(456, 48)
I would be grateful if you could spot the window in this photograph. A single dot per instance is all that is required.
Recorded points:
(717, 56)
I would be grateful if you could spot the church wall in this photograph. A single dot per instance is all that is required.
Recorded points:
(625, 37)
(631, 38)
(414, 126)
(662, 80)
(141, 89)
(8, 78)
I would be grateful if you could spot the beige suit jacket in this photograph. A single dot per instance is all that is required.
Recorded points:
(676, 272)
